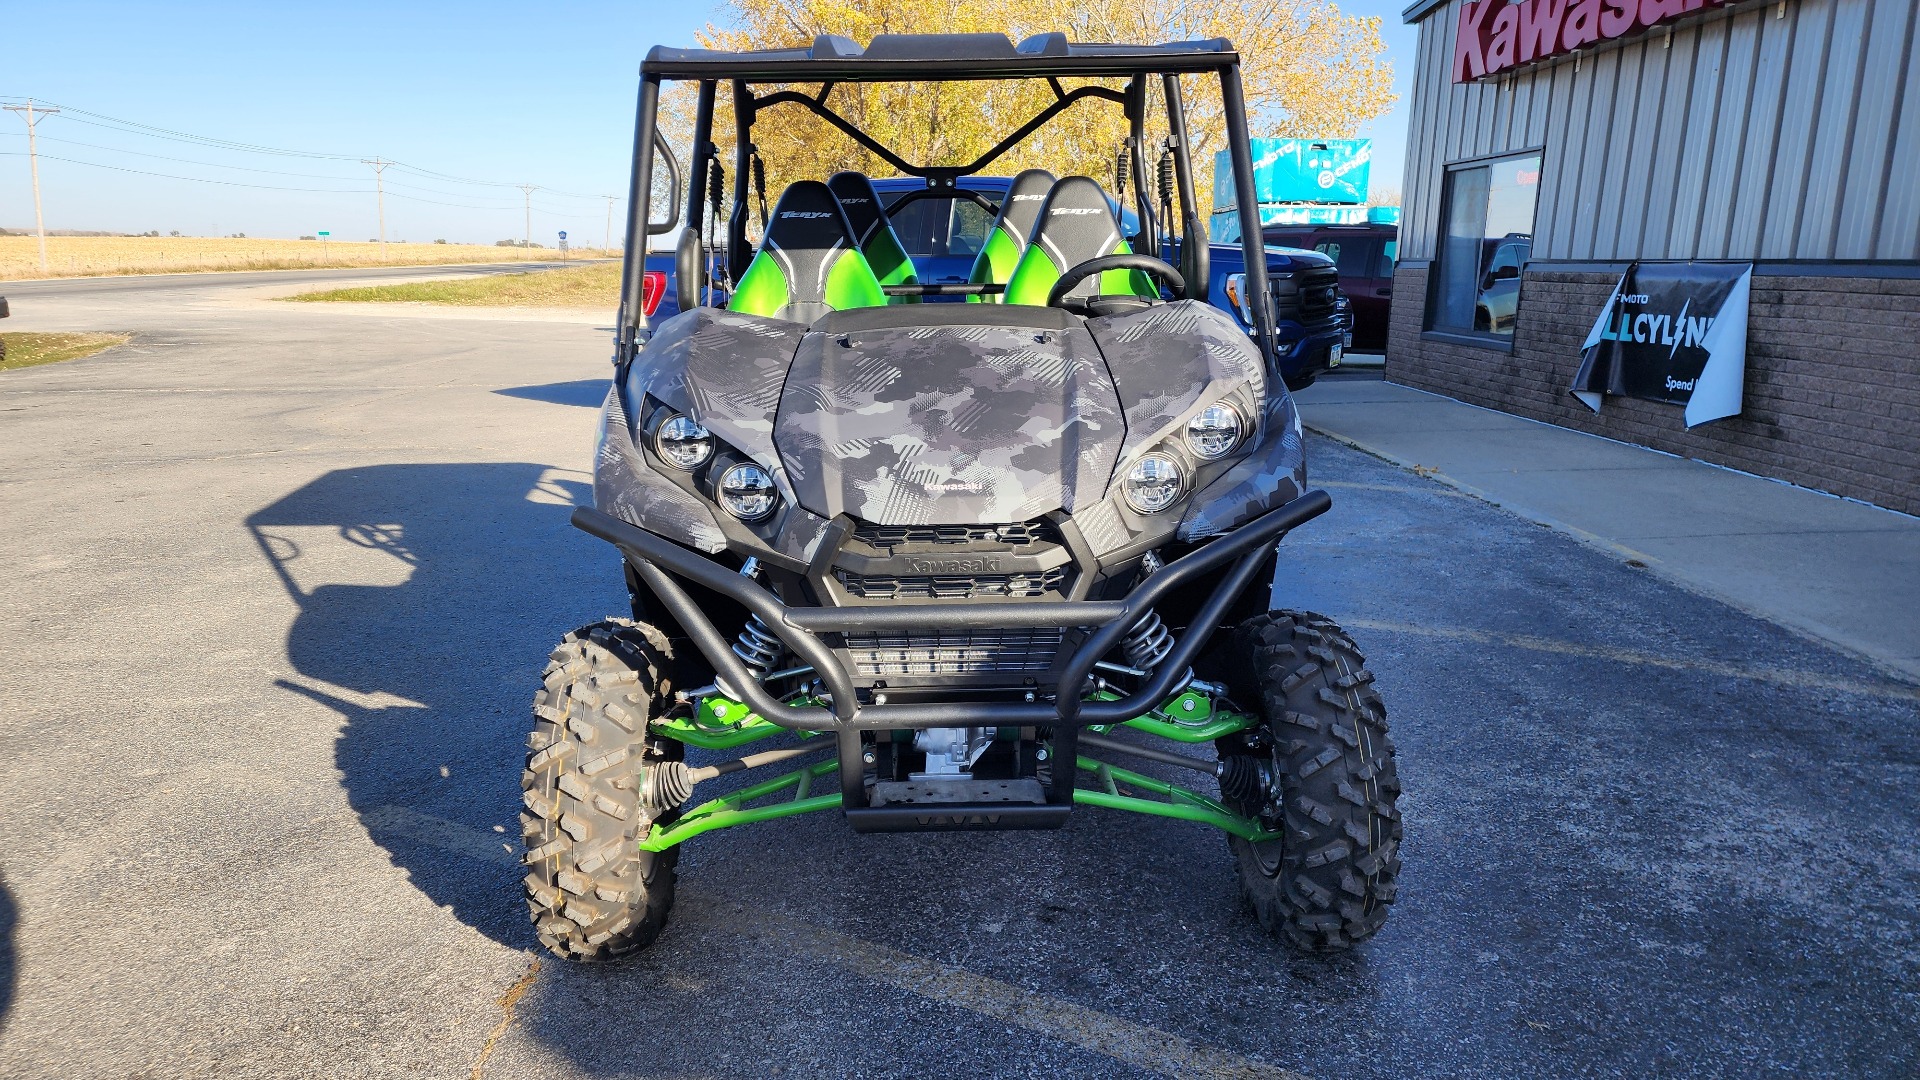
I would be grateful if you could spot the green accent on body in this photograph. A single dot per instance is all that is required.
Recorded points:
(851, 284)
(1035, 275)
(762, 290)
(994, 265)
(891, 264)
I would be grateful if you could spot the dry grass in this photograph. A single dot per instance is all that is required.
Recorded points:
(83, 256)
(596, 287)
(20, 350)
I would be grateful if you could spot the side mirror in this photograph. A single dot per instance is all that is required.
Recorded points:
(689, 269)
(1504, 273)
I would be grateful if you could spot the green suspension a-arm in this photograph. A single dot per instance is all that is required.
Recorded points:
(720, 723)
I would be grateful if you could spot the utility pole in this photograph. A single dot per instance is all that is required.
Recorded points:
(380, 193)
(526, 191)
(610, 199)
(33, 164)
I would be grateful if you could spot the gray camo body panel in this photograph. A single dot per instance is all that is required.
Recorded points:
(942, 425)
(952, 424)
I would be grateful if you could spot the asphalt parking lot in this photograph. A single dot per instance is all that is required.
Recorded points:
(279, 584)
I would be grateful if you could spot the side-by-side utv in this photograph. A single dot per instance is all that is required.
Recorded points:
(936, 543)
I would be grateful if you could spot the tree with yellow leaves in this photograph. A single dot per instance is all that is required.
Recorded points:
(1308, 71)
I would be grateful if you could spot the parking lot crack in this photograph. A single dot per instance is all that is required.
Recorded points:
(507, 1003)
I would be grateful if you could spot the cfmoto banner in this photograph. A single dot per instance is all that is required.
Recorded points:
(1674, 332)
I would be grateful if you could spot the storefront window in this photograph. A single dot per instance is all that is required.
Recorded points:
(1487, 239)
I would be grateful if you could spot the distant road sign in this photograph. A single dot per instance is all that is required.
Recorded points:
(563, 234)
(324, 232)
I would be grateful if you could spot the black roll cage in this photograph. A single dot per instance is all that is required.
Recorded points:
(933, 58)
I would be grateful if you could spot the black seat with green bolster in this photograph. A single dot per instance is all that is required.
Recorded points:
(1007, 239)
(807, 264)
(873, 232)
(1075, 224)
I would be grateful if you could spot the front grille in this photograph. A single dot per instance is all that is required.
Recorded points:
(1013, 534)
(951, 586)
(954, 652)
(1307, 296)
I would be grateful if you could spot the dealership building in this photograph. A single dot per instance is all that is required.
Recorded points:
(1557, 144)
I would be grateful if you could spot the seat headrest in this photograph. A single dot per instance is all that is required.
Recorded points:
(861, 202)
(808, 218)
(1022, 205)
(1075, 223)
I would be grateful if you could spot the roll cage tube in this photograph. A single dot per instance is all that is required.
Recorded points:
(1055, 59)
(647, 142)
(1193, 243)
(1252, 245)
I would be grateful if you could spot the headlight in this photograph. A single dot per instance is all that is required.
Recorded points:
(1153, 484)
(1215, 432)
(683, 442)
(747, 492)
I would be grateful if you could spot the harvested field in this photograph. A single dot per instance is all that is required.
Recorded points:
(596, 286)
(87, 256)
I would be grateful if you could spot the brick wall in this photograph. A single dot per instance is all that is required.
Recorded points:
(1832, 393)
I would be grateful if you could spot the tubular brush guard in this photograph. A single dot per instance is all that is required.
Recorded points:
(838, 710)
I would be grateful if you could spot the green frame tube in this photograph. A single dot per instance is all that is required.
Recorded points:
(728, 811)
(721, 724)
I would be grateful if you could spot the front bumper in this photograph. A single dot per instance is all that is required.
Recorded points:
(659, 563)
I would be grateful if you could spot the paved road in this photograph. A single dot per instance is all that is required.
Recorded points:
(146, 283)
(278, 586)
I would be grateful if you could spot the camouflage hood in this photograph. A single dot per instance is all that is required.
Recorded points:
(943, 425)
(945, 414)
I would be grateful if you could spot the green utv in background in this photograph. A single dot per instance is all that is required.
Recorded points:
(936, 554)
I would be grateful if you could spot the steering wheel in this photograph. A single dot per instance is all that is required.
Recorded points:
(1146, 264)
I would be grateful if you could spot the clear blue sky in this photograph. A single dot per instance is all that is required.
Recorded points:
(511, 93)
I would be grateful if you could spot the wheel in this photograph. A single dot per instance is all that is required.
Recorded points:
(592, 893)
(1319, 770)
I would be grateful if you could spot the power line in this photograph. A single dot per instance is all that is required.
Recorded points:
(195, 179)
(34, 111)
(188, 161)
(269, 172)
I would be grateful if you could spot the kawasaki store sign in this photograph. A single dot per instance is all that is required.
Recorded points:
(1673, 332)
(1498, 35)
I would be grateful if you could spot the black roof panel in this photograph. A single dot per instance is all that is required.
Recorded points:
(939, 57)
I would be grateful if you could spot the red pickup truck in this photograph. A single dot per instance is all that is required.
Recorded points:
(1365, 255)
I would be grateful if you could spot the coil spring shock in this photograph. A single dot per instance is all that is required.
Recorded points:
(1148, 642)
(758, 648)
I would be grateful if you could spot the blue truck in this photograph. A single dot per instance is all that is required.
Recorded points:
(944, 230)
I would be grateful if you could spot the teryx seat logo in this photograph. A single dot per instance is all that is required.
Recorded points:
(1495, 35)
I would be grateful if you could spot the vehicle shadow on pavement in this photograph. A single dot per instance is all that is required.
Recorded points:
(429, 595)
(9, 967)
(586, 393)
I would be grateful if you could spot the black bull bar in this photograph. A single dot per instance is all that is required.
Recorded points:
(657, 560)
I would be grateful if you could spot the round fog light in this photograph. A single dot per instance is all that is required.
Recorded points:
(1153, 484)
(747, 492)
